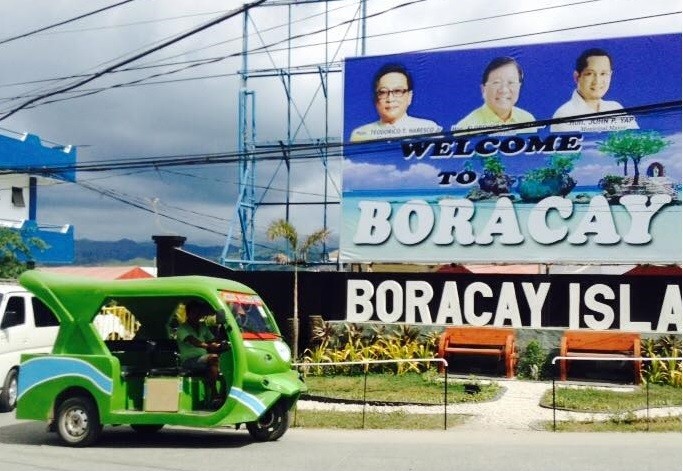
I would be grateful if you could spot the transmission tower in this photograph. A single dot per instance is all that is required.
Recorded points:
(240, 244)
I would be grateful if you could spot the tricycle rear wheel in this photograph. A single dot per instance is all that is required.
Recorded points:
(78, 421)
(272, 425)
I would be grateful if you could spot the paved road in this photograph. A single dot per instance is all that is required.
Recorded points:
(26, 446)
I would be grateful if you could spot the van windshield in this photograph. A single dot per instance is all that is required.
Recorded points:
(250, 313)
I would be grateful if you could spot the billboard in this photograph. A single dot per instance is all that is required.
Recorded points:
(560, 152)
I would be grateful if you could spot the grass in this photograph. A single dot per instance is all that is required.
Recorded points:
(620, 423)
(609, 401)
(373, 420)
(426, 388)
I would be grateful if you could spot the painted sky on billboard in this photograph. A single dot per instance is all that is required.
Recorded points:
(548, 192)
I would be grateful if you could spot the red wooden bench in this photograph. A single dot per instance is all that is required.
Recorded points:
(466, 340)
(601, 344)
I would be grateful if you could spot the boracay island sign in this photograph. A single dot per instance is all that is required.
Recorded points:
(560, 301)
(605, 189)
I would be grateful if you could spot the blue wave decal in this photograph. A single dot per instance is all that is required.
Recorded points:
(40, 370)
(250, 401)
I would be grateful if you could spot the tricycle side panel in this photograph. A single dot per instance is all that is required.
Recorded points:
(43, 378)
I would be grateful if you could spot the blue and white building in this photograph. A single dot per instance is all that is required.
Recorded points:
(24, 163)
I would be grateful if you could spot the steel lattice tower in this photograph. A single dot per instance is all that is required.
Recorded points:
(240, 245)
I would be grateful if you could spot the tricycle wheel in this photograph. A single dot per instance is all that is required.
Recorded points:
(272, 425)
(146, 428)
(78, 421)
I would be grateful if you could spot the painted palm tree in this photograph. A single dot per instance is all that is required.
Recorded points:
(298, 255)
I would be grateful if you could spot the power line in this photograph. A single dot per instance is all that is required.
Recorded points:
(122, 199)
(90, 78)
(137, 23)
(147, 52)
(302, 152)
(70, 20)
(39, 90)
(155, 64)
(136, 203)
(200, 62)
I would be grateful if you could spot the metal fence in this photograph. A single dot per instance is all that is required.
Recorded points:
(554, 362)
(367, 363)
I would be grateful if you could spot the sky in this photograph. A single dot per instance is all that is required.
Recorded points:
(195, 110)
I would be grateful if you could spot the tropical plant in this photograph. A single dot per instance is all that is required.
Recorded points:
(13, 249)
(283, 229)
(634, 145)
(323, 334)
(406, 333)
(353, 343)
(662, 371)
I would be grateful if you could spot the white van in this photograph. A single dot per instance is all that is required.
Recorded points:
(26, 326)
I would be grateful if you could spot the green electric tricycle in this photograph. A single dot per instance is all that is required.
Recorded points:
(87, 381)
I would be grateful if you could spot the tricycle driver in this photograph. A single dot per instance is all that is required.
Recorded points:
(199, 349)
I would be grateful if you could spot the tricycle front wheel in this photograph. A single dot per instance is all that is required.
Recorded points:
(272, 425)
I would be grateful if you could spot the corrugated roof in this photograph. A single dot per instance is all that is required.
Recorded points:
(101, 273)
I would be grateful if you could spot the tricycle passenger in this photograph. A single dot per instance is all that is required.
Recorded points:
(199, 349)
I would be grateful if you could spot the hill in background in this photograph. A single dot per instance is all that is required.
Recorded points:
(93, 252)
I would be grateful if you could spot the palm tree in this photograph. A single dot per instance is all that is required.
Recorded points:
(282, 228)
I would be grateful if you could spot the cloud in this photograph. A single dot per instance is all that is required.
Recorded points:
(365, 175)
(201, 116)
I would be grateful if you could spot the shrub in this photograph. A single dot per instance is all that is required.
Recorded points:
(353, 343)
(534, 362)
(662, 371)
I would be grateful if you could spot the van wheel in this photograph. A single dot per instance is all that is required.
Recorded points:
(272, 425)
(8, 398)
(78, 421)
(146, 428)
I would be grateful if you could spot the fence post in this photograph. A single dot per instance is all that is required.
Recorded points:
(647, 403)
(445, 395)
(365, 389)
(554, 373)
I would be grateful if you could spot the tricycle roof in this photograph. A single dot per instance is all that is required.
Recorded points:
(76, 298)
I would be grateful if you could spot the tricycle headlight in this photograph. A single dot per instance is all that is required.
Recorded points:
(283, 350)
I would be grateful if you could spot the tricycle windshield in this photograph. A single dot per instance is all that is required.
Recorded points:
(250, 313)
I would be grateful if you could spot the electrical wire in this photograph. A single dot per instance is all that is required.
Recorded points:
(70, 20)
(305, 152)
(147, 52)
(264, 48)
(141, 81)
(155, 63)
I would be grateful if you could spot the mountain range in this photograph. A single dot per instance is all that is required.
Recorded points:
(93, 252)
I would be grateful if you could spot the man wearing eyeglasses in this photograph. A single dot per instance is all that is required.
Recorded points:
(501, 83)
(593, 76)
(392, 91)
